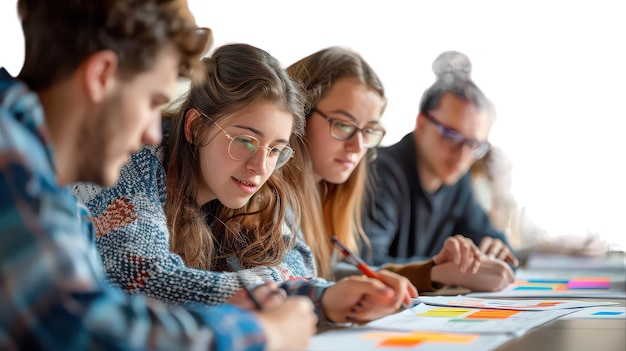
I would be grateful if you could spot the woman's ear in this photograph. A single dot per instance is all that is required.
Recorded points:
(190, 117)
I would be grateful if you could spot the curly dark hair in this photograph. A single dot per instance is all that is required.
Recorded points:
(61, 34)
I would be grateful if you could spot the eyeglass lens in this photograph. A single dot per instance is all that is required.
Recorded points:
(242, 147)
(455, 139)
(344, 131)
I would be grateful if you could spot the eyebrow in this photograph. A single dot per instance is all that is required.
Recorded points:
(345, 113)
(258, 132)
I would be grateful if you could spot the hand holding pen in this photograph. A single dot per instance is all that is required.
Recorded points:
(365, 298)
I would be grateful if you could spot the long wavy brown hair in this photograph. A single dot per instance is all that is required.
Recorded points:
(237, 75)
(338, 206)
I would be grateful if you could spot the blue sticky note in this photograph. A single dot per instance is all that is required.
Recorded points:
(531, 287)
(549, 281)
(607, 313)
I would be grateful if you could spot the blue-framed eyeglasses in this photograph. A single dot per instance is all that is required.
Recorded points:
(454, 139)
(242, 147)
(343, 130)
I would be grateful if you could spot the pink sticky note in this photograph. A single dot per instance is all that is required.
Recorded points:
(589, 284)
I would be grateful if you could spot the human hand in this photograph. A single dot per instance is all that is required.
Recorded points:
(360, 299)
(268, 295)
(493, 275)
(290, 325)
(495, 248)
(461, 251)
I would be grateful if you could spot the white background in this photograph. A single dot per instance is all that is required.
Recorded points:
(554, 69)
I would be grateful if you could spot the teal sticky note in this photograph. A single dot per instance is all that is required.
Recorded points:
(607, 313)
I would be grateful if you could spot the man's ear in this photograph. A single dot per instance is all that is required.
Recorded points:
(420, 122)
(190, 117)
(100, 74)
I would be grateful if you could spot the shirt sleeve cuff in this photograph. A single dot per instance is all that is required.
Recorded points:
(235, 329)
(418, 273)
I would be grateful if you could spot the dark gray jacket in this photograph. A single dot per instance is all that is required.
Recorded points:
(404, 223)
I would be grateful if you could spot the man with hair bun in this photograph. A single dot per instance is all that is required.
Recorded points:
(422, 189)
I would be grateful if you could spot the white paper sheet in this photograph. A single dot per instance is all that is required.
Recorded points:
(614, 312)
(467, 320)
(522, 305)
(369, 339)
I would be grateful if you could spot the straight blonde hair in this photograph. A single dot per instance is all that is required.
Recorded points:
(338, 206)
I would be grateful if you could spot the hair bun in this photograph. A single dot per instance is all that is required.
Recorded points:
(452, 62)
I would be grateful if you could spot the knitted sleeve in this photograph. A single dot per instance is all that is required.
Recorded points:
(133, 240)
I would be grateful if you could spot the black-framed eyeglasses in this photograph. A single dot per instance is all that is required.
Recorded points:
(343, 130)
(455, 139)
(242, 147)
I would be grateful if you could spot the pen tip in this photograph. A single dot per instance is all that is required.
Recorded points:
(333, 239)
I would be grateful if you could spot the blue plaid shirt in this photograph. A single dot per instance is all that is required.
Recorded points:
(53, 294)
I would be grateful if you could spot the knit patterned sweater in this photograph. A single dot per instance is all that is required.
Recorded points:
(133, 239)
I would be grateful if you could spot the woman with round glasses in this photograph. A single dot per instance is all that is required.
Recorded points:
(210, 206)
(345, 100)
(423, 193)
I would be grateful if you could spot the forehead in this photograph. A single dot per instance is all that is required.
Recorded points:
(269, 118)
(350, 95)
(463, 116)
